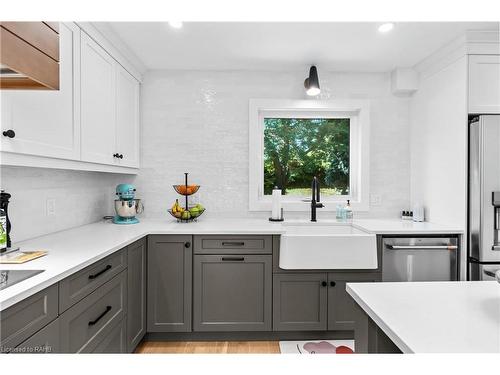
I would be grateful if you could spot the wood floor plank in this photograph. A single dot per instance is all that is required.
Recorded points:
(209, 347)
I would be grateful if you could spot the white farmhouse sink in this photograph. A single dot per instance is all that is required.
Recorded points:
(327, 246)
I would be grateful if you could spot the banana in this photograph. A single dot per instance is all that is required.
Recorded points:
(175, 206)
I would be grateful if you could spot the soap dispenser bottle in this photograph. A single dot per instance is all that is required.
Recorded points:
(348, 211)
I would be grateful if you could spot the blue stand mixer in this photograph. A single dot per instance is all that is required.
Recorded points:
(127, 206)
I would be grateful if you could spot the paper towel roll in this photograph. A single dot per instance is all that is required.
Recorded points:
(276, 207)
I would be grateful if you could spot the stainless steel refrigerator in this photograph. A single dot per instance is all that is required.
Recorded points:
(484, 197)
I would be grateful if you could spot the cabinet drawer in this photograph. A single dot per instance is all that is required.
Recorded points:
(88, 322)
(215, 244)
(77, 286)
(19, 322)
(45, 341)
(115, 341)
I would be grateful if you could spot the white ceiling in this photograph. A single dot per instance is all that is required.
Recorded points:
(335, 46)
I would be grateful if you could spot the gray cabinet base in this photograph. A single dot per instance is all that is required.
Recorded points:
(249, 336)
(369, 338)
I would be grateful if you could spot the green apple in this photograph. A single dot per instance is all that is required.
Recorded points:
(186, 215)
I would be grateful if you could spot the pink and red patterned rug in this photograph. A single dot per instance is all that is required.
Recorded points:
(317, 347)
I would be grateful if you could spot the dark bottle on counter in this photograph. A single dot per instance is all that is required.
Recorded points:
(4, 203)
(3, 231)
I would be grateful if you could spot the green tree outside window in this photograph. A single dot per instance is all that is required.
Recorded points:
(297, 149)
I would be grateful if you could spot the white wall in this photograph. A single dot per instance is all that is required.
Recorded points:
(197, 121)
(438, 117)
(80, 197)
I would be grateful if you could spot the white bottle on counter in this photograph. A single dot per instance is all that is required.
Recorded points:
(276, 204)
(418, 212)
(348, 211)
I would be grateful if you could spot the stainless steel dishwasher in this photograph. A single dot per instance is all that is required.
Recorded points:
(420, 259)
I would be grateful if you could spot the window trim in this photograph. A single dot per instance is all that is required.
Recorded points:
(359, 113)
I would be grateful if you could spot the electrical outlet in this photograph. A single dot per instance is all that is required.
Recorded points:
(375, 199)
(51, 207)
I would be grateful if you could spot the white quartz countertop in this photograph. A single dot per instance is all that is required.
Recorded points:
(74, 249)
(434, 317)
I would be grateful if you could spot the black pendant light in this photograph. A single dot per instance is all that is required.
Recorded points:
(312, 82)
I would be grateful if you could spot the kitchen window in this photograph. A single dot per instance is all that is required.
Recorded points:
(293, 141)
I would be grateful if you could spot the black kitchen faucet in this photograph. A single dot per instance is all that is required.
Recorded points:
(315, 199)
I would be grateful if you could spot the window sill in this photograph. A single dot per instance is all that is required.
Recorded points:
(329, 206)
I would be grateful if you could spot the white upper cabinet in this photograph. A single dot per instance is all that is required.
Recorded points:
(484, 84)
(91, 123)
(47, 123)
(98, 102)
(127, 118)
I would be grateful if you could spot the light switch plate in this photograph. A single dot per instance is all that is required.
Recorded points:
(51, 207)
(375, 199)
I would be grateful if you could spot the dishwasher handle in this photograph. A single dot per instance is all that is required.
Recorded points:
(424, 247)
(489, 273)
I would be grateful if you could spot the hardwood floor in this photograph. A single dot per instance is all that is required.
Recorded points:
(209, 347)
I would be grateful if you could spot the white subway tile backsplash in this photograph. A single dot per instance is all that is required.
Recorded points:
(197, 122)
(80, 198)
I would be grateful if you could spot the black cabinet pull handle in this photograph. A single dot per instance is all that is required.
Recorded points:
(233, 244)
(187, 245)
(94, 322)
(234, 259)
(120, 156)
(9, 133)
(115, 155)
(333, 283)
(324, 283)
(95, 275)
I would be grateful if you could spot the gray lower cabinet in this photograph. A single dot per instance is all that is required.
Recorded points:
(136, 289)
(24, 319)
(115, 341)
(45, 341)
(342, 310)
(75, 287)
(300, 302)
(232, 293)
(84, 325)
(169, 291)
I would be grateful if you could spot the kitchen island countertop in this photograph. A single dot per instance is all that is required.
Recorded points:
(434, 317)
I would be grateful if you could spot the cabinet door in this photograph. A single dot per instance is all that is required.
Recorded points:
(232, 293)
(46, 340)
(136, 289)
(484, 86)
(300, 302)
(98, 115)
(127, 118)
(169, 283)
(47, 122)
(341, 306)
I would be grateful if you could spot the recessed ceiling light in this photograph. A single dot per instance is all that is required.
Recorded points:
(385, 27)
(175, 24)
